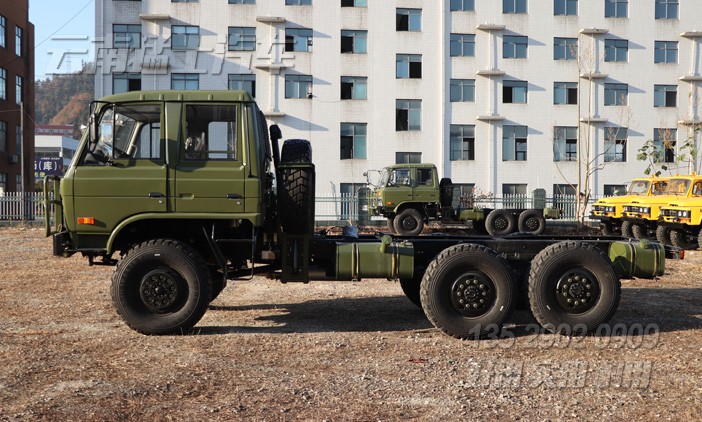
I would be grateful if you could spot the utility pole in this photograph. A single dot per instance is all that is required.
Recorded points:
(21, 135)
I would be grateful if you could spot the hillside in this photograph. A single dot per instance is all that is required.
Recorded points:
(64, 99)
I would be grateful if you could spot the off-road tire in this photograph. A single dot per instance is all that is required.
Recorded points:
(680, 239)
(499, 223)
(562, 272)
(161, 286)
(409, 222)
(626, 229)
(391, 225)
(445, 195)
(295, 189)
(531, 221)
(639, 231)
(607, 229)
(464, 269)
(411, 287)
(663, 235)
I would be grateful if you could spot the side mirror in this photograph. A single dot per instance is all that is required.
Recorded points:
(275, 132)
(93, 128)
(365, 174)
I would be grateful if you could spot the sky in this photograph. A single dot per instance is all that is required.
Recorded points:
(62, 50)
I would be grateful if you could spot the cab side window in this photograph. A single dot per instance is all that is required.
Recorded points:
(424, 177)
(210, 132)
(697, 189)
(400, 177)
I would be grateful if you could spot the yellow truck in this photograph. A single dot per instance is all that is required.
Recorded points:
(683, 218)
(609, 210)
(643, 213)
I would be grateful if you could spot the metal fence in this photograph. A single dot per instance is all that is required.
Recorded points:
(335, 209)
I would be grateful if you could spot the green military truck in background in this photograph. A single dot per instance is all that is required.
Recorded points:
(184, 191)
(609, 210)
(409, 196)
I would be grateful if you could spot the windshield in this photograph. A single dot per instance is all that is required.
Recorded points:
(659, 188)
(639, 187)
(678, 187)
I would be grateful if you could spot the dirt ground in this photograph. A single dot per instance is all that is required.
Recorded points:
(332, 351)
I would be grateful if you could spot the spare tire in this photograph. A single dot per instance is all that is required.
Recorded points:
(446, 192)
(296, 188)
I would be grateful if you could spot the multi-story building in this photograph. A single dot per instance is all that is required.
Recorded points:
(16, 96)
(54, 147)
(506, 96)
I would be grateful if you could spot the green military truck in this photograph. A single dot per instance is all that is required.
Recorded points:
(184, 191)
(409, 196)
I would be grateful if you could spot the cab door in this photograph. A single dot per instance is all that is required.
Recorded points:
(210, 173)
(125, 173)
(426, 188)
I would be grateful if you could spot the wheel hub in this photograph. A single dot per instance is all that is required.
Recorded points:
(532, 224)
(501, 223)
(472, 294)
(159, 290)
(577, 291)
(409, 224)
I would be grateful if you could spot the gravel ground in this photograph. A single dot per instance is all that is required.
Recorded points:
(332, 351)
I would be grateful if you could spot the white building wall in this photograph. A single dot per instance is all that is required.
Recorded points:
(318, 119)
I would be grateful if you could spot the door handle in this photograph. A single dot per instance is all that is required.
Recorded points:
(233, 196)
(155, 195)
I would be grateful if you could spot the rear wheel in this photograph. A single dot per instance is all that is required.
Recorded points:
(409, 222)
(411, 287)
(531, 221)
(681, 240)
(626, 229)
(161, 287)
(467, 291)
(499, 223)
(573, 288)
(639, 231)
(608, 228)
(296, 188)
(663, 235)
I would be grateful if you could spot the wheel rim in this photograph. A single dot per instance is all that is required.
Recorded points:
(532, 224)
(161, 290)
(409, 223)
(500, 223)
(577, 291)
(473, 294)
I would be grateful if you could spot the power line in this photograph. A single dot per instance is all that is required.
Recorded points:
(54, 33)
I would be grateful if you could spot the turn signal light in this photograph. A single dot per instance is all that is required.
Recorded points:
(86, 221)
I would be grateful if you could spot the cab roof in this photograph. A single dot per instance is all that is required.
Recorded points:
(178, 96)
(412, 165)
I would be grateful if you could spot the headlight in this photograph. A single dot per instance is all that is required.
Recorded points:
(684, 213)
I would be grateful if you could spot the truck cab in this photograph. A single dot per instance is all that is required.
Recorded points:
(609, 210)
(683, 217)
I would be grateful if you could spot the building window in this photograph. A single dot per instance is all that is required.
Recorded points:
(462, 141)
(514, 47)
(3, 31)
(408, 115)
(126, 36)
(354, 3)
(298, 2)
(354, 87)
(514, 143)
(298, 86)
(565, 93)
(408, 20)
(126, 82)
(514, 6)
(408, 157)
(185, 81)
(185, 37)
(665, 96)
(243, 82)
(408, 66)
(666, 9)
(185, 1)
(616, 94)
(514, 189)
(462, 45)
(565, 48)
(616, 8)
(354, 42)
(565, 7)
(665, 52)
(242, 39)
(3, 136)
(616, 50)
(462, 90)
(18, 41)
(462, 5)
(298, 39)
(514, 92)
(18, 139)
(3, 84)
(565, 145)
(19, 95)
(615, 144)
(566, 190)
(664, 141)
(353, 140)
(242, 1)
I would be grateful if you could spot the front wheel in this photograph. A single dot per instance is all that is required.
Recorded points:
(409, 222)
(639, 231)
(663, 235)
(467, 291)
(626, 229)
(573, 288)
(391, 225)
(161, 287)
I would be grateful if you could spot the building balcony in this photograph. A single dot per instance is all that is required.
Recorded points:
(691, 78)
(490, 27)
(593, 75)
(591, 120)
(490, 118)
(490, 72)
(270, 19)
(273, 113)
(154, 17)
(594, 31)
(691, 34)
